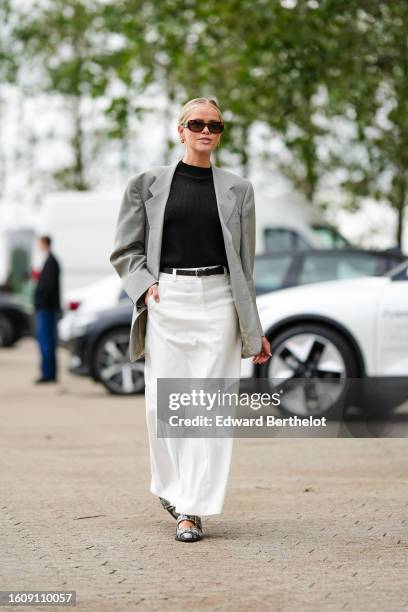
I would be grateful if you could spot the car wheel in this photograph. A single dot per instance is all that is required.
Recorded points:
(310, 365)
(112, 367)
(6, 331)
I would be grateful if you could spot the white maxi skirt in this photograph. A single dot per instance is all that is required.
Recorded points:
(193, 332)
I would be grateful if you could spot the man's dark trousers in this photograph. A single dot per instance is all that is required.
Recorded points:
(46, 329)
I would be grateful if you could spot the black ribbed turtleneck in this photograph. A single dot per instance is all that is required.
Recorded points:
(192, 234)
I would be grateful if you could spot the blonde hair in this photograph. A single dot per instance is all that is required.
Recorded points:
(191, 104)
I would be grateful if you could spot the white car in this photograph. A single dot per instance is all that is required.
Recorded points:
(82, 306)
(328, 334)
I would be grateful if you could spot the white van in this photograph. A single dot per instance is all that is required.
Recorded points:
(289, 221)
(17, 235)
(81, 225)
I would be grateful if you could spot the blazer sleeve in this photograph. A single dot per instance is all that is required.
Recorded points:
(248, 239)
(128, 256)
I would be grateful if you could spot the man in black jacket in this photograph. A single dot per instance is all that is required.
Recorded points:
(47, 310)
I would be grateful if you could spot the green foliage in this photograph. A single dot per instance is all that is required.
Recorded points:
(328, 78)
(8, 60)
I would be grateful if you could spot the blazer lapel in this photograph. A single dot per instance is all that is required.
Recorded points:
(160, 189)
(226, 198)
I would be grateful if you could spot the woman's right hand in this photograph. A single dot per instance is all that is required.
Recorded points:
(152, 290)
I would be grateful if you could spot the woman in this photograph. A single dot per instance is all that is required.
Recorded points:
(184, 249)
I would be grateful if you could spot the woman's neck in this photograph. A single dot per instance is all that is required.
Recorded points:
(195, 159)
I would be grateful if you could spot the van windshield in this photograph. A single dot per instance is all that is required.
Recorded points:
(329, 237)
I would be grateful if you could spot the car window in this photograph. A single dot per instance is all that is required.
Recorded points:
(270, 273)
(330, 237)
(281, 239)
(400, 273)
(331, 266)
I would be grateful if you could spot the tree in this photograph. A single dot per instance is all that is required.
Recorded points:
(373, 91)
(59, 39)
(8, 66)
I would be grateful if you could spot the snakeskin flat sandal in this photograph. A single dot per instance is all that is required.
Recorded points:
(167, 506)
(189, 534)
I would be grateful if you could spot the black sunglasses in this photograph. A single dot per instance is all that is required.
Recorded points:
(197, 125)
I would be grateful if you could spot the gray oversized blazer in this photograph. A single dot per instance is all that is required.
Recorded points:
(137, 246)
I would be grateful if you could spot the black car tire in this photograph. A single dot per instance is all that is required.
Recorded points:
(130, 377)
(339, 407)
(7, 335)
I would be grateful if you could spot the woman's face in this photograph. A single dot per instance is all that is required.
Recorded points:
(205, 141)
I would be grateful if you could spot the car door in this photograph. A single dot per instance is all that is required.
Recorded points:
(392, 326)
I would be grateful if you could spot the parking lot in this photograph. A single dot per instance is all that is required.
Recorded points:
(308, 524)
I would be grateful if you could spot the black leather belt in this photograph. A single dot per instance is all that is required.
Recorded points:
(197, 272)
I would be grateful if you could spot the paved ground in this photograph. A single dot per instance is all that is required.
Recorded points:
(308, 524)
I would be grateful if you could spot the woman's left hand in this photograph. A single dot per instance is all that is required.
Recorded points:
(264, 353)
